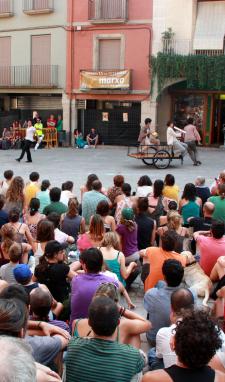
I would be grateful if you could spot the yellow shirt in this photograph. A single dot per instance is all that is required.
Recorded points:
(30, 192)
(171, 192)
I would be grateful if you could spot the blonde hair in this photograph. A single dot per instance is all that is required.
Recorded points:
(107, 290)
(174, 220)
(111, 239)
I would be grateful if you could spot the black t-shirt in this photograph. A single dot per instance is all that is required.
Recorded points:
(203, 193)
(201, 224)
(3, 218)
(145, 227)
(55, 279)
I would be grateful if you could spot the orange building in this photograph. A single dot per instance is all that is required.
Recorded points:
(108, 81)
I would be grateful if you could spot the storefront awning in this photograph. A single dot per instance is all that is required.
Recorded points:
(210, 26)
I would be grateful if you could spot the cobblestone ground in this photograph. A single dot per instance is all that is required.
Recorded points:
(59, 165)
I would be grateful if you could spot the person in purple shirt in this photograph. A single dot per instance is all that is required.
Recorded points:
(84, 286)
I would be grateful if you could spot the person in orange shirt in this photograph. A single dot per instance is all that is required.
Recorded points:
(155, 257)
(31, 188)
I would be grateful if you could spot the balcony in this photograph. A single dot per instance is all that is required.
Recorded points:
(6, 8)
(184, 48)
(35, 7)
(107, 11)
(36, 76)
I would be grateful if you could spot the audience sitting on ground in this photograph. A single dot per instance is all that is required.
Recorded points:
(157, 300)
(67, 192)
(55, 205)
(91, 199)
(43, 195)
(33, 216)
(60, 236)
(202, 191)
(100, 263)
(221, 180)
(154, 258)
(84, 286)
(195, 342)
(4, 184)
(210, 244)
(71, 222)
(32, 188)
(102, 354)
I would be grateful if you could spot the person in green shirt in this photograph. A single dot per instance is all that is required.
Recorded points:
(219, 203)
(102, 357)
(59, 125)
(55, 205)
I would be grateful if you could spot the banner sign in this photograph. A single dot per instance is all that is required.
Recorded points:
(105, 80)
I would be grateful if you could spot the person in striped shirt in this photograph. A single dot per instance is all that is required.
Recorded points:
(102, 357)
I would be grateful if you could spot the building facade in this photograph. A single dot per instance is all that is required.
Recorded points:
(32, 59)
(188, 43)
(108, 82)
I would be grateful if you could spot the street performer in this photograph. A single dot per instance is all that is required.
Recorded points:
(148, 135)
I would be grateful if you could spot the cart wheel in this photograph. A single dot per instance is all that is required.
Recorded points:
(151, 152)
(162, 159)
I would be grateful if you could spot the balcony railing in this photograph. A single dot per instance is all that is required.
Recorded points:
(184, 47)
(31, 7)
(6, 8)
(105, 11)
(36, 76)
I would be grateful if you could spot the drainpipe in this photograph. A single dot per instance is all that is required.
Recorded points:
(71, 49)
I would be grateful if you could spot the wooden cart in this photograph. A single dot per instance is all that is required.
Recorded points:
(159, 156)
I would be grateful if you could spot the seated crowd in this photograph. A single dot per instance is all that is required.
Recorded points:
(67, 266)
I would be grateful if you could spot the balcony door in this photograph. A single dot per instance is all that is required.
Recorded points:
(5, 61)
(109, 54)
(41, 60)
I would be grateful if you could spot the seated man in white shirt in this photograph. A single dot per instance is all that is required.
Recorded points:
(181, 300)
(172, 135)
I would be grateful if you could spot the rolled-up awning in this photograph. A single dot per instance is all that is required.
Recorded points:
(210, 26)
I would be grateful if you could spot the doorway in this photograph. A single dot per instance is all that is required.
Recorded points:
(217, 136)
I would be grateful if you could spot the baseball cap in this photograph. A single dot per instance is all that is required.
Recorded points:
(128, 213)
(22, 273)
(53, 246)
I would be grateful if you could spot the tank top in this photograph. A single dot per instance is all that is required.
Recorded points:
(180, 374)
(190, 210)
(76, 334)
(38, 253)
(114, 266)
(71, 226)
(124, 203)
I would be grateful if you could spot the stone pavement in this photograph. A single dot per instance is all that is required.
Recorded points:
(61, 164)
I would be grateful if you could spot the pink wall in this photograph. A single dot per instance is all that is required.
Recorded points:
(137, 43)
(138, 10)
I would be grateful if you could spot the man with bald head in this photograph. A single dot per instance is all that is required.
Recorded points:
(202, 223)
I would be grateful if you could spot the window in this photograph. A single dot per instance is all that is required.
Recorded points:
(41, 60)
(5, 61)
(109, 54)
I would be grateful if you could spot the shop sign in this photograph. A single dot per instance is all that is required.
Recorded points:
(105, 80)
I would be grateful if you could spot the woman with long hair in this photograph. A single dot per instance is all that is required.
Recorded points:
(8, 237)
(190, 205)
(131, 324)
(22, 231)
(103, 211)
(170, 189)
(53, 272)
(45, 233)
(157, 202)
(15, 195)
(116, 189)
(174, 223)
(71, 222)
(94, 236)
(33, 216)
(219, 203)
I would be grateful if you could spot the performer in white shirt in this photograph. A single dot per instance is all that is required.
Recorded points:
(29, 139)
(172, 140)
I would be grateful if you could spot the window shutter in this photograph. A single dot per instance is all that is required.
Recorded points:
(109, 54)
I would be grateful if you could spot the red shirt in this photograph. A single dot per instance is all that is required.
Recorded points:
(51, 123)
(210, 249)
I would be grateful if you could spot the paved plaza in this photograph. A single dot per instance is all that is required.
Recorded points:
(63, 164)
